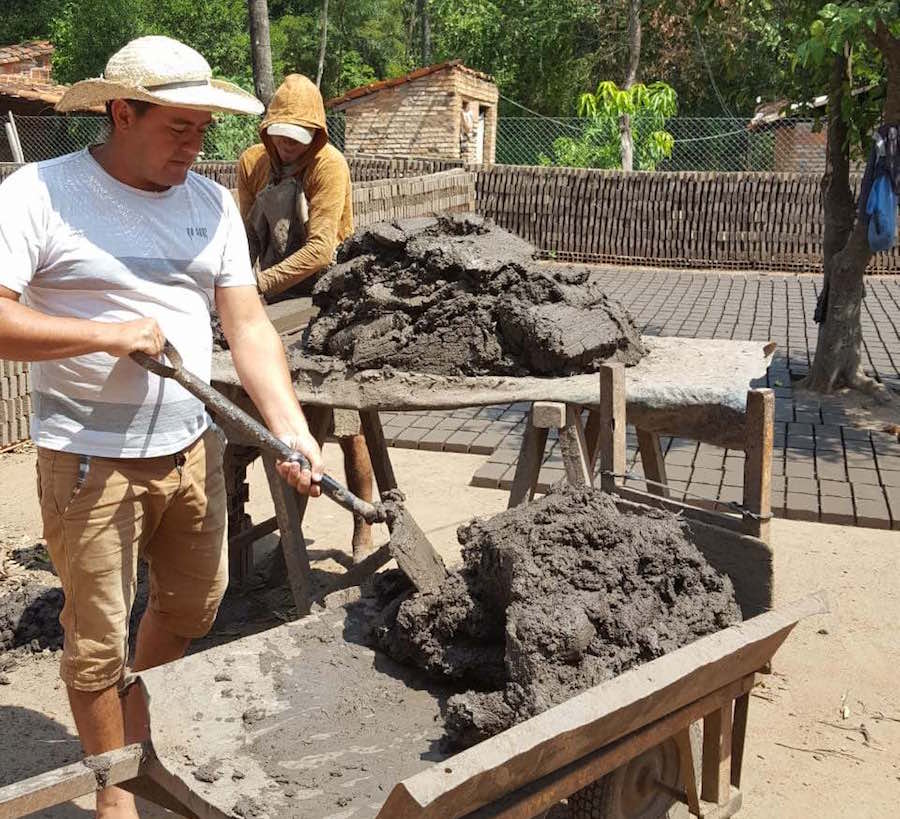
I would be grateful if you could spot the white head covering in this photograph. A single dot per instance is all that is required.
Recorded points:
(162, 71)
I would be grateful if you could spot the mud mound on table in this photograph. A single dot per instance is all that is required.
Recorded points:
(554, 597)
(459, 296)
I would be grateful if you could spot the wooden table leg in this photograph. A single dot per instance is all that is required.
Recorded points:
(592, 430)
(572, 442)
(528, 467)
(612, 423)
(378, 450)
(759, 433)
(653, 462)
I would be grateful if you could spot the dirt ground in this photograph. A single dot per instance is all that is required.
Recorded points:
(824, 730)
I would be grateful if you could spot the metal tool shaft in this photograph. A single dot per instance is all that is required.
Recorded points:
(232, 415)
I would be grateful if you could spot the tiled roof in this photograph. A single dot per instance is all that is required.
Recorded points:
(22, 87)
(25, 51)
(372, 88)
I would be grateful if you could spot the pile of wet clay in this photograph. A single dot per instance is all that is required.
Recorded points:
(554, 597)
(29, 614)
(457, 295)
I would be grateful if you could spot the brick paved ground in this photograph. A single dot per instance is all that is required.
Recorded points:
(824, 468)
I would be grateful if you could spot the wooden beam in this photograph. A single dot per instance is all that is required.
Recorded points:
(378, 450)
(738, 738)
(686, 770)
(528, 467)
(653, 462)
(542, 794)
(759, 431)
(67, 783)
(612, 423)
(586, 723)
(716, 772)
(573, 445)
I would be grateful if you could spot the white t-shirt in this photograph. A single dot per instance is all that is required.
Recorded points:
(74, 241)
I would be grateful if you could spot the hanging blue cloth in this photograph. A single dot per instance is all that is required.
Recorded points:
(881, 208)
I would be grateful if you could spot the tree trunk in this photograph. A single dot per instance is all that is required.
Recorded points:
(422, 11)
(838, 359)
(261, 50)
(634, 58)
(323, 42)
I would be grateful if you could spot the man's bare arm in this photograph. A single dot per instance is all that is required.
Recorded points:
(28, 335)
(262, 368)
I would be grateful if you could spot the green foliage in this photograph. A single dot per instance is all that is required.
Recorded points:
(649, 107)
(231, 134)
(87, 32)
(22, 20)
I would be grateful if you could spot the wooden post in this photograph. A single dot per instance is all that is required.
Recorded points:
(686, 769)
(739, 735)
(759, 432)
(528, 467)
(716, 787)
(653, 462)
(592, 431)
(574, 448)
(378, 450)
(612, 423)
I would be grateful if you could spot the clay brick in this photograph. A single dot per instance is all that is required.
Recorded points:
(799, 469)
(837, 510)
(802, 486)
(434, 440)
(834, 489)
(831, 470)
(872, 513)
(460, 441)
(409, 438)
(801, 507)
(488, 475)
(868, 476)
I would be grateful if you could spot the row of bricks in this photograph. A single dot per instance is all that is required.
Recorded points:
(11, 432)
(12, 409)
(8, 368)
(15, 386)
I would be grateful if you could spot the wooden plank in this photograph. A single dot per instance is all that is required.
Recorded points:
(653, 462)
(716, 771)
(574, 449)
(542, 794)
(289, 510)
(528, 467)
(601, 715)
(759, 432)
(612, 423)
(69, 782)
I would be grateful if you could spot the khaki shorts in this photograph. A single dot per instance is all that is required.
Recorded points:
(99, 514)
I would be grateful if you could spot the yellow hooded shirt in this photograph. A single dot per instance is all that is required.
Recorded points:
(323, 172)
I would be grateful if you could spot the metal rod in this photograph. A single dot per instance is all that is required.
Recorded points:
(18, 153)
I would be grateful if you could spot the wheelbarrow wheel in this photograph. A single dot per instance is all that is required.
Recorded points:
(632, 792)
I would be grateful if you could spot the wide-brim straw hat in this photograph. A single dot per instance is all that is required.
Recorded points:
(162, 71)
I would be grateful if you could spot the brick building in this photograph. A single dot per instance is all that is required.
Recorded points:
(29, 59)
(421, 113)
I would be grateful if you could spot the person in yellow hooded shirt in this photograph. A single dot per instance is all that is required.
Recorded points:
(294, 197)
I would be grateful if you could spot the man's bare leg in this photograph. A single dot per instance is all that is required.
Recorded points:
(358, 469)
(99, 719)
(155, 646)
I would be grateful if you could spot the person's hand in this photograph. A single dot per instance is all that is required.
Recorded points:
(305, 481)
(141, 335)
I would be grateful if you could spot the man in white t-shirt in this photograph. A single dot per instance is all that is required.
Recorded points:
(104, 252)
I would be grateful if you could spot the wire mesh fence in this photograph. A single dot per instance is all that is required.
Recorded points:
(699, 144)
(52, 136)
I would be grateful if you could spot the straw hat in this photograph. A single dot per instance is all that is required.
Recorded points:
(162, 71)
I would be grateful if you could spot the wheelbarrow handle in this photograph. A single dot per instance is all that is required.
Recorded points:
(234, 416)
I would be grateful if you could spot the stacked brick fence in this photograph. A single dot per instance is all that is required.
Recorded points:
(15, 402)
(757, 221)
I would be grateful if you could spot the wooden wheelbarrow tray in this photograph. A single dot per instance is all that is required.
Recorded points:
(263, 745)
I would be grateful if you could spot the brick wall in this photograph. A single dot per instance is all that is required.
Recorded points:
(421, 117)
(799, 149)
(15, 402)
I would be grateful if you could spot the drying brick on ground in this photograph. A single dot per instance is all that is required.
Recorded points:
(555, 597)
(457, 295)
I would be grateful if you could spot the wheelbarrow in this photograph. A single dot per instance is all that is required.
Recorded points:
(305, 720)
